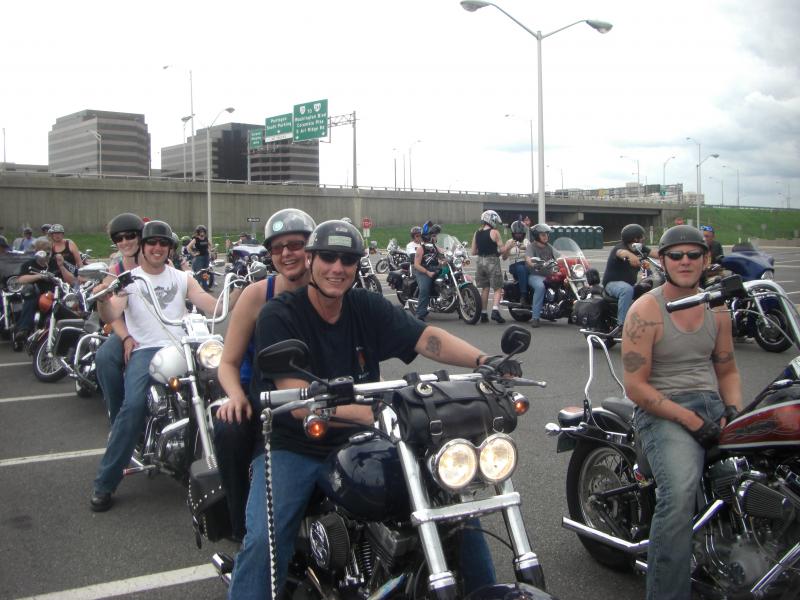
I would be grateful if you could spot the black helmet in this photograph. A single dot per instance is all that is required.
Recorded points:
(125, 222)
(156, 229)
(540, 228)
(288, 220)
(416, 230)
(430, 229)
(518, 230)
(336, 236)
(200, 228)
(631, 233)
(46, 227)
(681, 234)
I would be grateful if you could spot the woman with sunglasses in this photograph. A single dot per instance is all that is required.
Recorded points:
(66, 248)
(285, 236)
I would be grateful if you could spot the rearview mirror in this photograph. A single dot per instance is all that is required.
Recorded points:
(283, 357)
(96, 271)
(516, 339)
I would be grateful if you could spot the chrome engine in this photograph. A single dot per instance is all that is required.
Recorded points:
(166, 427)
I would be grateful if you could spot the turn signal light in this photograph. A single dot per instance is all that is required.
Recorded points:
(174, 383)
(316, 427)
(521, 405)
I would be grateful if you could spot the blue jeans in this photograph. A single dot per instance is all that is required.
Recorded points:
(26, 316)
(676, 460)
(519, 270)
(623, 292)
(110, 364)
(201, 262)
(128, 423)
(537, 283)
(293, 481)
(424, 283)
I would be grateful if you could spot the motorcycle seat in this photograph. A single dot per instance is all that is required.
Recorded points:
(74, 323)
(622, 407)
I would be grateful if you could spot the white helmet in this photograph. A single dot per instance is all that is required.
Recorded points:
(491, 218)
(168, 362)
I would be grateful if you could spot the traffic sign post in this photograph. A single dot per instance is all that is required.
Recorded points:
(278, 128)
(256, 139)
(310, 120)
(253, 221)
(367, 224)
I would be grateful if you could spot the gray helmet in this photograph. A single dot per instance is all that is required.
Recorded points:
(200, 228)
(491, 218)
(57, 228)
(540, 228)
(630, 233)
(156, 229)
(430, 229)
(336, 236)
(518, 230)
(416, 230)
(3, 242)
(288, 220)
(347, 220)
(681, 234)
(125, 222)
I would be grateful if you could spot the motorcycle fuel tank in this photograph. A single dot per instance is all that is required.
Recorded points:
(366, 479)
(772, 426)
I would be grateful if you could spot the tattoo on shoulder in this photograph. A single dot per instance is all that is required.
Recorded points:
(635, 326)
(633, 361)
(434, 345)
(722, 357)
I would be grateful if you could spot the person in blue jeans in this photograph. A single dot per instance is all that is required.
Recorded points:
(515, 250)
(622, 267)
(172, 288)
(335, 322)
(681, 372)
(538, 253)
(426, 266)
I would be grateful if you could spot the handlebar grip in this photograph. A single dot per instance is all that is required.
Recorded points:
(690, 301)
(277, 398)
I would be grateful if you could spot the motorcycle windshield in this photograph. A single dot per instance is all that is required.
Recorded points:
(747, 260)
(447, 242)
(568, 248)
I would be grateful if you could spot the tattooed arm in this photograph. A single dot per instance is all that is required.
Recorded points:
(439, 345)
(643, 328)
(730, 385)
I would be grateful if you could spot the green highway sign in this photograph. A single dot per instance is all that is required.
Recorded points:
(278, 128)
(256, 138)
(310, 120)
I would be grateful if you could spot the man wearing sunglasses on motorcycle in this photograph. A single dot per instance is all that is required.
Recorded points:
(681, 373)
(348, 332)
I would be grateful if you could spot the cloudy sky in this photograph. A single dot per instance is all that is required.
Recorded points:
(725, 73)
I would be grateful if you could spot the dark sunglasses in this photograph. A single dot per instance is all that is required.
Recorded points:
(677, 255)
(161, 242)
(707, 228)
(292, 245)
(348, 260)
(124, 236)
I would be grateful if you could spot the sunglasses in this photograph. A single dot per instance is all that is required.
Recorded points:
(707, 228)
(160, 242)
(676, 255)
(348, 260)
(124, 236)
(292, 245)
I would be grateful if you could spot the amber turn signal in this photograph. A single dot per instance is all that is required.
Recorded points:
(316, 427)
(174, 383)
(521, 405)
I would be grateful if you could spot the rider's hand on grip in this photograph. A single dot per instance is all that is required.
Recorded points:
(501, 365)
(708, 434)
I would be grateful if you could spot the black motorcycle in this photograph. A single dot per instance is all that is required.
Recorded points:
(395, 494)
(395, 257)
(242, 256)
(747, 525)
(366, 277)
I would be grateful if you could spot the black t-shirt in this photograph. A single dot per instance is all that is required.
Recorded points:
(717, 254)
(32, 267)
(430, 256)
(370, 329)
(201, 246)
(485, 244)
(618, 269)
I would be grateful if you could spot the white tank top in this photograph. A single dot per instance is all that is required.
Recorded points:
(170, 286)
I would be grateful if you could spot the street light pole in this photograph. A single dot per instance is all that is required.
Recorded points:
(721, 189)
(601, 26)
(533, 185)
(699, 165)
(410, 180)
(208, 172)
(183, 143)
(191, 116)
(737, 182)
(664, 173)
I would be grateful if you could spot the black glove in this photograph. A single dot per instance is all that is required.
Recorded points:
(731, 412)
(708, 434)
(500, 364)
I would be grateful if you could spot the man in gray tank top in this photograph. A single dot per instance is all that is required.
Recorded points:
(681, 373)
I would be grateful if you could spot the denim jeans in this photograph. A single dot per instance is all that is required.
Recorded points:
(623, 292)
(110, 364)
(519, 270)
(424, 283)
(26, 316)
(537, 283)
(233, 444)
(128, 423)
(676, 460)
(201, 262)
(293, 481)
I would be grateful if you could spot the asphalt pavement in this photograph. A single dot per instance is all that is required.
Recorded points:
(53, 546)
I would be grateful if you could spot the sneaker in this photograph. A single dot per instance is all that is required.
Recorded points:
(535, 323)
(484, 318)
(496, 316)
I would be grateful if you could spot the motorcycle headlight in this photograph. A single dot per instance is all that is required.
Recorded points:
(578, 271)
(209, 354)
(457, 262)
(455, 464)
(498, 458)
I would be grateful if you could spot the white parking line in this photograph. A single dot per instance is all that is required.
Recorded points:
(16, 364)
(122, 587)
(26, 460)
(40, 397)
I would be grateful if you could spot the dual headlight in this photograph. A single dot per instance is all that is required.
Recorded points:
(209, 354)
(457, 463)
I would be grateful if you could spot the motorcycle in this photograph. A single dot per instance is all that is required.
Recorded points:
(452, 289)
(392, 496)
(395, 257)
(747, 529)
(596, 311)
(10, 308)
(241, 256)
(564, 283)
(366, 277)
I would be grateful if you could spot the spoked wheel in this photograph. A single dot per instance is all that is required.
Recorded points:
(382, 266)
(47, 368)
(597, 469)
(470, 310)
(372, 284)
(770, 335)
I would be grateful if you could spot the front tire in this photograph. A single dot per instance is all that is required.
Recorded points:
(382, 266)
(596, 468)
(46, 368)
(372, 284)
(770, 337)
(470, 310)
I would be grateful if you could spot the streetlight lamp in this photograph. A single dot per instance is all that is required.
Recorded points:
(99, 139)
(664, 173)
(737, 182)
(636, 160)
(208, 170)
(183, 143)
(410, 180)
(699, 165)
(601, 26)
(191, 116)
(533, 186)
